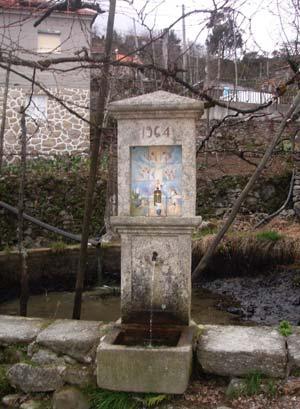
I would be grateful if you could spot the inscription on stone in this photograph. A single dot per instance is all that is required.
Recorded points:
(155, 131)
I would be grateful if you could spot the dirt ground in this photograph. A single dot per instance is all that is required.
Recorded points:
(210, 394)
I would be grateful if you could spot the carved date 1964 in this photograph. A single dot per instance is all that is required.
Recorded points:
(156, 131)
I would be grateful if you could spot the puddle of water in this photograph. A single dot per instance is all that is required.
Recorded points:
(204, 309)
(60, 305)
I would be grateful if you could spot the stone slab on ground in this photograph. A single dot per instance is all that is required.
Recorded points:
(293, 345)
(35, 379)
(77, 339)
(15, 330)
(238, 351)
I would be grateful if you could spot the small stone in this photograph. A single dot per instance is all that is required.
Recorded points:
(223, 407)
(220, 212)
(70, 398)
(11, 401)
(15, 330)
(45, 356)
(69, 360)
(32, 404)
(287, 213)
(235, 388)
(235, 310)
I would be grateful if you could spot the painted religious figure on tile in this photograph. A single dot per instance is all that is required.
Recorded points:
(156, 181)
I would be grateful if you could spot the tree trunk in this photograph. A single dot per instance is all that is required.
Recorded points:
(219, 64)
(88, 207)
(210, 251)
(4, 107)
(22, 250)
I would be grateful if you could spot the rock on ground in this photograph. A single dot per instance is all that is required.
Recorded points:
(15, 330)
(238, 351)
(236, 387)
(36, 379)
(70, 398)
(45, 356)
(79, 375)
(77, 339)
(11, 401)
(32, 404)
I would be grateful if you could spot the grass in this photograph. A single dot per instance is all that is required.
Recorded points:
(205, 232)
(285, 328)
(7, 249)
(253, 383)
(271, 388)
(269, 235)
(5, 387)
(104, 399)
(296, 280)
(295, 372)
(58, 246)
(244, 252)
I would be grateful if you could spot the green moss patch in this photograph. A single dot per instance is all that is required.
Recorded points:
(5, 387)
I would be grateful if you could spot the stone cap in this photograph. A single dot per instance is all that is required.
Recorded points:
(156, 101)
(154, 224)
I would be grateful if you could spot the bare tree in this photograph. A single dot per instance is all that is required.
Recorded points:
(22, 250)
(210, 251)
(88, 208)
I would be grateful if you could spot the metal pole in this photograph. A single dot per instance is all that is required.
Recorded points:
(184, 59)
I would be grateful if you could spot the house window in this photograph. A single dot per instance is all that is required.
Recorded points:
(48, 42)
(37, 108)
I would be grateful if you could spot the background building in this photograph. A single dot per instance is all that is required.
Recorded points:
(52, 129)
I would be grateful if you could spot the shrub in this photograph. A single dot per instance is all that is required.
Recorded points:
(285, 328)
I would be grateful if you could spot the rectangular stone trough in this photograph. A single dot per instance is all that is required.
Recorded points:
(124, 365)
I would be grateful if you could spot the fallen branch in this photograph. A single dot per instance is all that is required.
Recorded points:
(46, 226)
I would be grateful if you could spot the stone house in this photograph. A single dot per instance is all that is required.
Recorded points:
(52, 129)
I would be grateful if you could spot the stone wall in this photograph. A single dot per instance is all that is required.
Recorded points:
(236, 134)
(55, 269)
(216, 197)
(38, 355)
(54, 193)
(59, 133)
(45, 356)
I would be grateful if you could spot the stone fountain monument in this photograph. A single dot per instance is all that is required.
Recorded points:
(150, 350)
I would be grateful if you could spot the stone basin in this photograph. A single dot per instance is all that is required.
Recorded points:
(126, 361)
